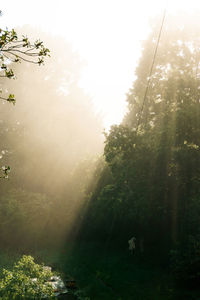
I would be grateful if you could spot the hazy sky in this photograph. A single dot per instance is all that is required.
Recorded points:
(107, 35)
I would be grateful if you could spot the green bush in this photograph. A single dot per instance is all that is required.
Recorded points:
(27, 280)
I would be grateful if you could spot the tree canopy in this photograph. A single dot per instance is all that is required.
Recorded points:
(154, 154)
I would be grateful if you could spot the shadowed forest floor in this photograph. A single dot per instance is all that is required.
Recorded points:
(107, 274)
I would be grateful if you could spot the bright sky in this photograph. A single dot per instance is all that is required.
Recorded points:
(106, 33)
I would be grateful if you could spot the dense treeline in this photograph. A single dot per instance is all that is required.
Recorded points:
(150, 187)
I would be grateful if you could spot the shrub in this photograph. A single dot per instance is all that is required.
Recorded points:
(27, 280)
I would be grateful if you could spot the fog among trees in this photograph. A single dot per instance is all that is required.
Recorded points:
(75, 197)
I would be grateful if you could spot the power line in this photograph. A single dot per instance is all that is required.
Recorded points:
(151, 70)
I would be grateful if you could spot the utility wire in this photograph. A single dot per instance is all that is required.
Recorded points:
(151, 70)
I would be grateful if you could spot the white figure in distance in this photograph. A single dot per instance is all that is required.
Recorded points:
(131, 244)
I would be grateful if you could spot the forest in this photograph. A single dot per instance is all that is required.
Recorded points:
(73, 195)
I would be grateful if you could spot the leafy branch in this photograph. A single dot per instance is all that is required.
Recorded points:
(5, 170)
(15, 50)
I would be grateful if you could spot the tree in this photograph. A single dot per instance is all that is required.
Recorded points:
(15, 49)
(154, 154)
(170, 120)
(27, 280)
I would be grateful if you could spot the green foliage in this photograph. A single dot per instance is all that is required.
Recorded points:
(154, 154)
(27, 280)
(5, 171)
(14, 49)
(106, 271)
(185, 261)
(80, 295)
(24, 218)
(185, 257)
(11, 98)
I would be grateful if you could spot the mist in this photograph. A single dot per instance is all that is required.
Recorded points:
(50, 131)
(116, 212)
